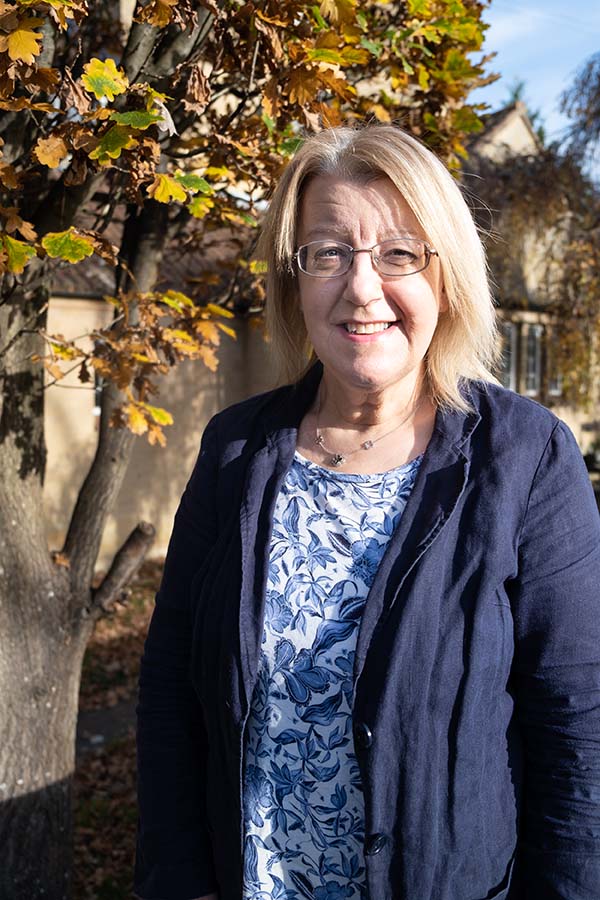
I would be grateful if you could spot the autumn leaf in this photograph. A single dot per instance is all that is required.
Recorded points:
(116, 139)
(137, 118)
(164, 188)
(200, 207)
(303, 86)
(103, 79)
(23, 44)
(51, 151)
(197, 90)
(136, 420)
(338, 11)
(60, 559)
(14, 222)
(217, 310)
(159, 415)
(67, 245)
(17, 252)
(158, 13)
(9, 178)
(209, 358)
(193, 183)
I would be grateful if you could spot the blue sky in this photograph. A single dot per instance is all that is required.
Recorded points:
(543, 43)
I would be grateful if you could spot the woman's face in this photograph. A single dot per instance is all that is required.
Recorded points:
(361, 216)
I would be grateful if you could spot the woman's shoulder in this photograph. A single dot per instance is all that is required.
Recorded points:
(504, 408)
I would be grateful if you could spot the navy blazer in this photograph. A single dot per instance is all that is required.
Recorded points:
(477, 680)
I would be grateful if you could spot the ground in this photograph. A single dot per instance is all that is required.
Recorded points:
(105, 805)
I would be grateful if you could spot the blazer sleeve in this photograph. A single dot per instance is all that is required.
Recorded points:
(174, 856)
(556, 602)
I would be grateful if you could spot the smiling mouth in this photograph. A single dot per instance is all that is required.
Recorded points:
(367, 327)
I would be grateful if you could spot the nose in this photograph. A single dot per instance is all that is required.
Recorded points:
(363, 282)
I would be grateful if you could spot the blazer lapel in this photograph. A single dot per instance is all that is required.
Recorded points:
(439, 485)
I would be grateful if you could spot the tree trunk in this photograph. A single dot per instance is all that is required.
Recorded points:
(47, 607)
(40, 667)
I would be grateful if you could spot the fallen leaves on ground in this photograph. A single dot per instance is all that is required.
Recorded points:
(105, 801)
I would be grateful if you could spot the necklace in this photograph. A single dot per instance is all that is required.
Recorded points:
(338, 459)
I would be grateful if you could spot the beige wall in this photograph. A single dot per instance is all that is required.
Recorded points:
(156, 477)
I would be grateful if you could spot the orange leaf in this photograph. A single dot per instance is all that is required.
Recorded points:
(51, 151)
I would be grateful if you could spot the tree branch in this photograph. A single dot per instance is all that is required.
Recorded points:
(144, 239)
(124, 566)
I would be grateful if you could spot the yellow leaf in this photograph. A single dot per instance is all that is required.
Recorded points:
(208, 330)
(67, 245)
(103, 79)
(219, 311)
(136, 420)
(164, 189)
(158, 13)
(51, 151)
(156, 436)
(200, 206)
(227, 330)
(158, 414)
(380, 112)
(209, 357)
(23, 44)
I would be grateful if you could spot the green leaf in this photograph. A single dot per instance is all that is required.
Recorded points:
(138, 118)
(419, 8)
(116, 139)
(374, 47)
(18, 253)
(193, 183)
(103, 79)
(325, 54)
(175, 300)
(67, 245)
(320, 21)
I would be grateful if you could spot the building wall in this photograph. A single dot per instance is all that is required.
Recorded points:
(156, 476)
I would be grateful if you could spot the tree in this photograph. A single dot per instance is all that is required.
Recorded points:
(581, 103)
(122, 139)
(541, 217)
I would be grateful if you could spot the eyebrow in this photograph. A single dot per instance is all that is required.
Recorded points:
(341, 235)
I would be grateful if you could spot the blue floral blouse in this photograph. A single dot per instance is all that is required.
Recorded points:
(303, 803)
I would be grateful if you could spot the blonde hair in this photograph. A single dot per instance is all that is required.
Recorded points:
(465, 344)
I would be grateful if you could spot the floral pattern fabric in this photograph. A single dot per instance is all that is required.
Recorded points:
(303, 803)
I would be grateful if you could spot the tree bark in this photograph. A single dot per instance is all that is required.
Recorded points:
(47, 609)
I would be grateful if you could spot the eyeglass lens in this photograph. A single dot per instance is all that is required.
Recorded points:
(326, 259)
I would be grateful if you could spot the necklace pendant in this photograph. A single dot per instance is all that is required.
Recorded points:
(337, 460)
(366, 445)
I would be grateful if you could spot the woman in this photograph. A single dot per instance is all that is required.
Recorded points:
(373, 669)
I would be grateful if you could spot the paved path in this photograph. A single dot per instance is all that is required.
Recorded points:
(98, 727)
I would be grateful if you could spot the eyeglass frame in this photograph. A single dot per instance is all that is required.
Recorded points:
(429, 252)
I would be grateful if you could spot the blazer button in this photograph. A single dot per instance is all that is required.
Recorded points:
(363, 736)
(375, 844)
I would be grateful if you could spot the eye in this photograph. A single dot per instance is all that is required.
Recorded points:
(400, 254)
(331, 251)
(326, 256)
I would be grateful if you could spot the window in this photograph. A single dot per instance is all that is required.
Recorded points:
(555, 386)
(508, 364)
(533, 360)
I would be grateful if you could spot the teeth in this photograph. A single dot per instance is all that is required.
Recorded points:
(367, 327)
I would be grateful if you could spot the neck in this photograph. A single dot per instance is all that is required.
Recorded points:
(355, 408)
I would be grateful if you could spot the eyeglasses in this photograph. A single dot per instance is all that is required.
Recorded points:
(399, 256)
